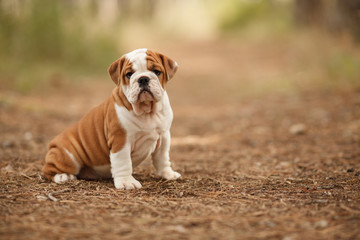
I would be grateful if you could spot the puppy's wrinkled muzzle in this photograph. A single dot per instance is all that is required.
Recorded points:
(146, 102)
(145, 95)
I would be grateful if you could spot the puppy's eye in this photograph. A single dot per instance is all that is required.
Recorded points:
(157, 72)
(129, 74)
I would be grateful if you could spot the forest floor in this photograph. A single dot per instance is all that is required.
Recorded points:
(270, 165)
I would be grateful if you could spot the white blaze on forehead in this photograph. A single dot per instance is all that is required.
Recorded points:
(138, 59)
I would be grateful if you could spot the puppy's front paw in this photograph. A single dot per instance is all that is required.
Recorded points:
(63, 177)
(169, 174)
(127, 183)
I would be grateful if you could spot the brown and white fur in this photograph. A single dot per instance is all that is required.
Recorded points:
(132, 125)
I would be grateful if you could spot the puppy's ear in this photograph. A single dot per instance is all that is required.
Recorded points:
(170, 65)
(115, 70)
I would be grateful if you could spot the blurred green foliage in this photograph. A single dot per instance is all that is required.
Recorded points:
(42, 38)
(344, 67)
(46, 42)
(267, 17)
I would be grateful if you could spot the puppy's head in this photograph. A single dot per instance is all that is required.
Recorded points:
(142, 74)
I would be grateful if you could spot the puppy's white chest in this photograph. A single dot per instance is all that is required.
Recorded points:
(144, 144)
(144, 133)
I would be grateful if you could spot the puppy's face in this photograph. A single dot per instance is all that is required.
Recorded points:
(142, 74)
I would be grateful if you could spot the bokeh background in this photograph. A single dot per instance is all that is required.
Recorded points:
(266, 129)
(251, 47)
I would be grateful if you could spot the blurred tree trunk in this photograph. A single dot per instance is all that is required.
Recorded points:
(350, 16)
(308, 12)
(337, 16)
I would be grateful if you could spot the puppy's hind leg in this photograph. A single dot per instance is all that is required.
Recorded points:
(60, 165)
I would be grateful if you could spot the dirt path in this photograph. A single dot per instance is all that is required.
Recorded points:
(275, 166)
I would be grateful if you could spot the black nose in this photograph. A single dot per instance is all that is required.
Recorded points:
(143, 81)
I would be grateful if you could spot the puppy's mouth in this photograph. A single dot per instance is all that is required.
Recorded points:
(146, 102)
(145, 96)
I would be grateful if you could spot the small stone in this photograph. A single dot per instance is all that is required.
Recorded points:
(271, 224)
(8, 144)
(179, 229)
(297, 129)
(28, 136)
(8, 168)
(321, 224)
(41, 198)
(288, 238)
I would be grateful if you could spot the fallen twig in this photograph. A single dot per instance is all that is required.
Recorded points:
(52, 198)
(51, 195)
(349, 209)
(24, 175)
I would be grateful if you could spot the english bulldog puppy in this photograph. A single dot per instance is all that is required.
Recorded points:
(132, 125)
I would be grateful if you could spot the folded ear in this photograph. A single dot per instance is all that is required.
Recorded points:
(170, 65)
(115, 70)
